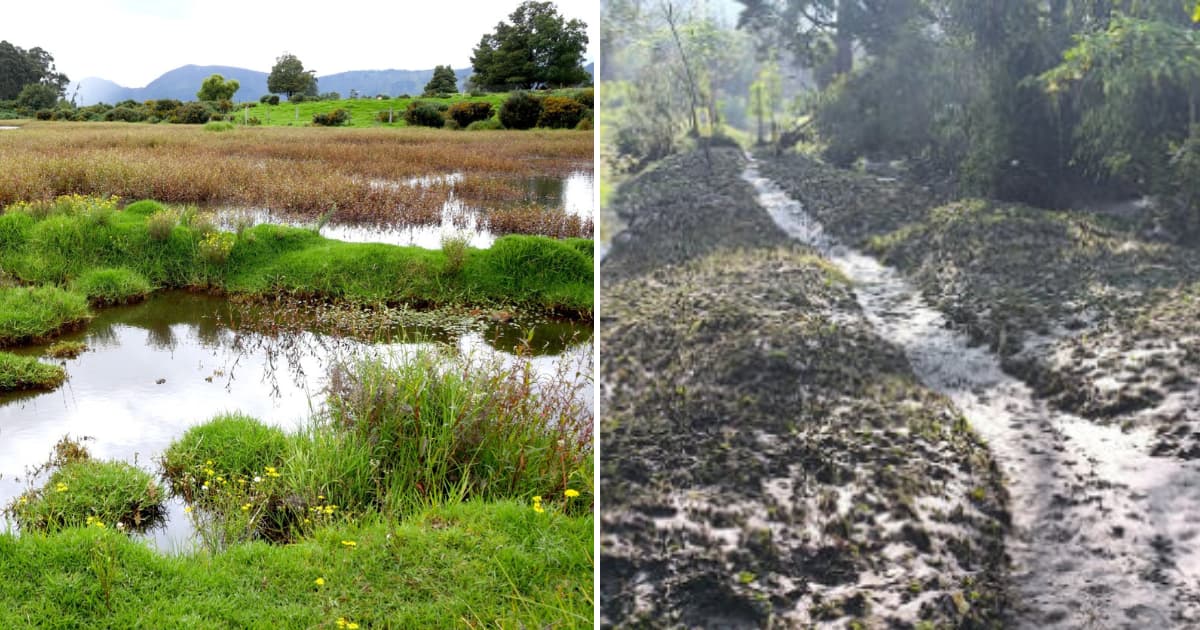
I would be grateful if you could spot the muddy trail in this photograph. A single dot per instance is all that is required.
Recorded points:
(769, 457)
(1104, 520)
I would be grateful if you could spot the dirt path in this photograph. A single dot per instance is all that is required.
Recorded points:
(1103, 533)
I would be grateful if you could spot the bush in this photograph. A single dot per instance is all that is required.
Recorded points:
(44, 114)
(560, 112)
(586, 97)
(490, 124)
(216, 247)
(163, 108)
(269, 99)
(384, 116)
(332, 119)
(455, 249)
(424, 114)
(109, 287)
(465, 112)
(192, 114)
(218, 126)
(585, 125)
(521, 111)
(125, 114)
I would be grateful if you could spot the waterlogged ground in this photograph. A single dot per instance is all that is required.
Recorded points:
(155, 369)
(573, 195)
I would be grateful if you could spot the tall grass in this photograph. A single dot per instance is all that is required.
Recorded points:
(299, 171)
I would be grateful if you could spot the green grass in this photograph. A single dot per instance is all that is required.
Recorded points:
(472, 564)
(66, 349)
(233, 444)
(31, 314)
(107, 287)
(57, 246)
(111, 492)
(19, 373)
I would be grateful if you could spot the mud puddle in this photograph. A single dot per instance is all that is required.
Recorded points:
(1103, 534)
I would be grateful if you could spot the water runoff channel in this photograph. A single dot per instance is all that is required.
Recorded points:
(1103, 535)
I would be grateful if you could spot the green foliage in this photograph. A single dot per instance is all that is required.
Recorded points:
(444, 81)
(269, 99)
(218, 126)
(29, 314)
(491, 124)
(216, 247)
(425, 114)
(288, 77)
(37, 96)
(466, 112)
(560, 112)
(20, 68)
(216, 88)
(90, 493)
(521, 111)
(536, 48)
(334, 118)
(192, 114)
(233, 444)
(106, 287)
(455, 248)
(125, 114)
(22, 373)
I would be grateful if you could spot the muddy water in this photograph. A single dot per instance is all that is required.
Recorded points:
(156, 369)
(1104, 535)
(574, 194)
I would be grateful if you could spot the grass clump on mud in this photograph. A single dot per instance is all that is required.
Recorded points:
(763, 450)
(32, 314)
(120, 258)
(19, 373)
(1093, 316)
(85, 492)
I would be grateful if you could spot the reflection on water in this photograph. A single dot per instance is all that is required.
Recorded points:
(573, 193)
(156, 369)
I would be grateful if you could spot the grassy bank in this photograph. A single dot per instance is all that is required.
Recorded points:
(306, 172)
(32, 314)
(115, 255)
(433, 493)
(18, 373)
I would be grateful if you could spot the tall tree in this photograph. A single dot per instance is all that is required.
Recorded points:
(288, 77)
(20, 67)
(537, 49)
(444, 81)
(216, 88)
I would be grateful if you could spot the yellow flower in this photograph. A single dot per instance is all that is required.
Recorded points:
(537, 507)
(537, 499)
(341, 622)
(61, 487)
(571, 494)
(319, 581)
(349, 543)
(350, 625)
(187, 510)
(245, 507)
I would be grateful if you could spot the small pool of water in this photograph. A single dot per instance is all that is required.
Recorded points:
(574, 194)
(156, 369)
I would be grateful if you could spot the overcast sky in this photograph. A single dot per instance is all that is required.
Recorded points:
(132, 42)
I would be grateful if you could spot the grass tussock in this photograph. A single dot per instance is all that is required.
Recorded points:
(85, 492)
(292, 170)
(18, 373)
(120, 257)
(66, 349)
(31, 314)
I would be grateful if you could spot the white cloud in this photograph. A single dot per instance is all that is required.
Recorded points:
(134, 41)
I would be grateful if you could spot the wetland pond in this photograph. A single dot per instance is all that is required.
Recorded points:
(573, 193)
(155, 369)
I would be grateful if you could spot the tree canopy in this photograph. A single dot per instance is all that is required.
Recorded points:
(216, 88)
(20, 67)
(444, 81)
(288, 77)
(537, 48)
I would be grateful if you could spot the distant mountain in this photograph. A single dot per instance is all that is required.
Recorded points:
(183, 83)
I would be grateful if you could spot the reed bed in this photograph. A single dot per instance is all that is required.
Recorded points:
(303, 171)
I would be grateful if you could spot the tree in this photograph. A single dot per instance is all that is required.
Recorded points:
(216, 88)
(538, 49)
(289, 77)
(35, 96)
(19, 67)
(444, 81)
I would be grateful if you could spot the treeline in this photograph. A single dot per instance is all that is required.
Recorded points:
(1048, 102)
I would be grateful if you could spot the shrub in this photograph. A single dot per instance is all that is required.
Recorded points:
(424, 114)
(560, 112)
(585, 125)
(490, 124)
(332, 119)
(191, 114)
(269, 99)
(521, 111)
(215, 247)
(252, 121)
(585, 97)
(44, 114)
(160, 224)
(466, 112)
(125, 114)
(108, 287)
(86, 492)
(163, 108)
